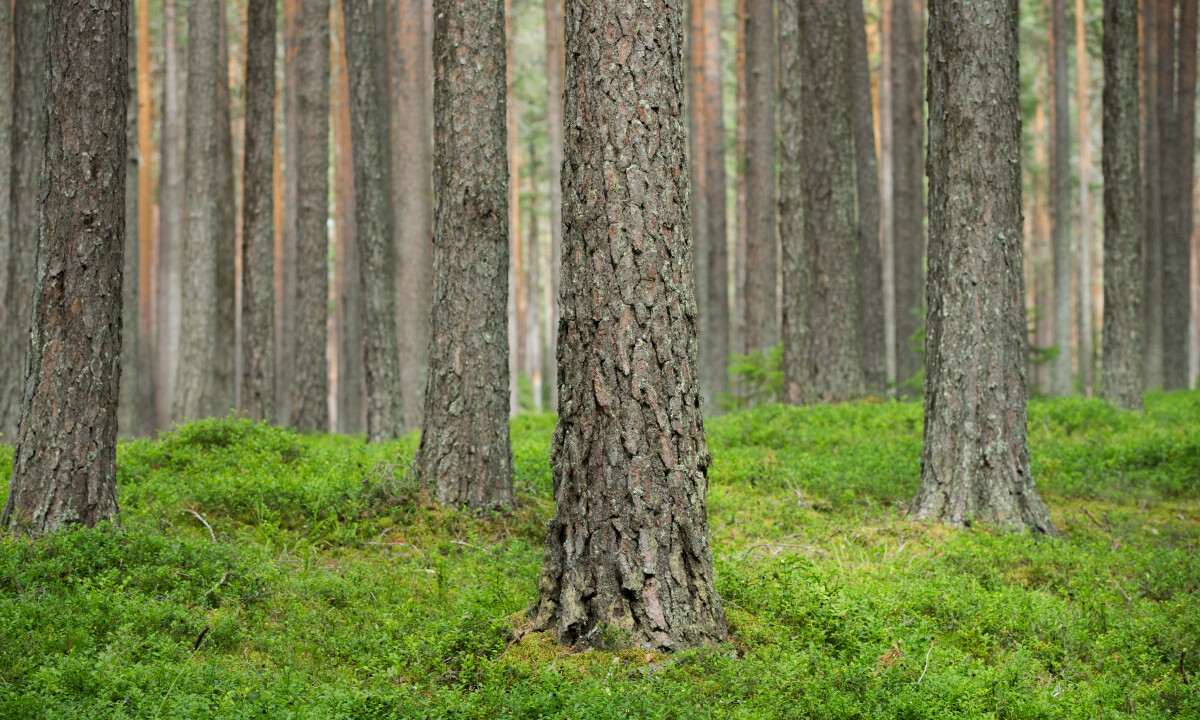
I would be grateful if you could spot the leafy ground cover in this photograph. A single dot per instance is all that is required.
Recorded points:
(258, 573)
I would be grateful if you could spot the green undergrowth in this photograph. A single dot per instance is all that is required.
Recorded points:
(259, 573)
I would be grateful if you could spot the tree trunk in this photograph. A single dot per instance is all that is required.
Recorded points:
(64, 465)
(908, 173)
(465, 445)
(258, 216)
(310, 384)
(975, 460)
(194, 391)
(698, 115)
(797, 366)
(372, 183)
(628, 553)
(516, 297)
(716, 359)
(1085, 313)
(28, 142)
(225, 348)
(1121, 369)
(866, 180)
(413, 217)
(6, 147)
(147, 232)
(1152, 300)
(886, 191)
(170, 238)
(127, 403)
(762, 321)
(1179, 158)
(554, 121)
(1060, 198)
(285, 373)
(533, 349)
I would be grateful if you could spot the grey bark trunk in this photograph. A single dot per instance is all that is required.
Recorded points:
(64, 465)
(554, 151)
(6, 147)
(1121, 368)
(1152, 300)
(717, 367)
(697, 139)
(258, 216)
(376, 246)
(908, 173)
(975, 460)
(762, 318)
(170, 202)
(225, 348)
(830, 232)
(286, 337)
(1178, 158)
(28, 143)
(310, 383)
(128, 406)
(533, 351)
(628, 554)
(797, 368)
(1060, 199)
(465, 447)
(1085, 319)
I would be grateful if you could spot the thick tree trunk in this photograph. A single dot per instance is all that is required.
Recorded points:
(413, 217)
(975, 460)
(127, 404)
(1060, 198)
(64, 465)
(224, 366)
(797, 367)
(830, 232)
(554, 145)
(716, 359)
(1085, 320)
(465, 445)
(762, 320)
(866, 179)
(1179, 158)
(908, 173)
(170, 236)
(628, 553)
(1121, 368)
(258, 216)
(147, 232)
(28, 142)
(285, 337)
(310, 384)
(6, 147)
(376, 246)
(194, 391)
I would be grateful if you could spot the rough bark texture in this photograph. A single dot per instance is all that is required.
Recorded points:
(866, 179)
(465, 445)
(128, 407)
(1121, 368)
(908, 173)
(6, 146)
(258, 216)
(762, 318)
(797, 368)
(413, 217)
(310, 382)
(28, 142)
(628, 555)
(64, 465)
(194, 380)
(147, 230)
(224, 363)
(1084, 315)
(170, 227)
(975, 460)
(554, 153)
(1060, 198)
(372, 183)
(830, 231)
(1179, 160)
(716, 360)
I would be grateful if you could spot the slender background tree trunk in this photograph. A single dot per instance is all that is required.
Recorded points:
(225, 349)
(1179, 159)
(554, 144)
(717, 286)
(908, 178)
(6, 147)
(169, 293)
(797, 366)
(147, 233)
(1084, 256)
(1152, 298)
(287, 305)
(1060, 198)
(127, 403)
(762, 320)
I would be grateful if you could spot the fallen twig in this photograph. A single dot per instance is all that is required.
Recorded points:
(926, 663)
(1092, 518)
(213, 589)
(200, 517)
(1110, 577)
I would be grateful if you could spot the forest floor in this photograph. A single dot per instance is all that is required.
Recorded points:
(258, 573)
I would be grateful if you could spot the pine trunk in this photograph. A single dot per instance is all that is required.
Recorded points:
(376, 246)
(627, 553)
(1084, 315)
(225, 349)
(147, 232)
(975, 460)
(310, 383)
(1176, 246)
(716, 358)
(1152, 298)
(886, 190)
(465, 447)
(533, 350)
(1060, 199)
(64, 465)
(1121, 369)
(762, 320)
(287, 304)
(554, 121)
(6, 147)
(908, 173)
(169, 292)
(127, 403)
(697, 151)
(797, 368)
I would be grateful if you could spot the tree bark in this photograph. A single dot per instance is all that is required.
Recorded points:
(225, 347)
(127, 404)
(886, 190)
(64, 465)
(866, 180)
(258, 216)
(697, 151)
(627, 553)
(310, 384)
(762, 320)
(797, 365)
(29, 139)
(376, 246)
(830, 232)
(516, 277)
(170, 202)
(1085, 319)
(908, 172)
(1179, 158)
(975, 460)
(465, 447)
(1060, 198)
(1121, 369)
(554, 151)
(533, 349)
(413, 217)
(285, 372)
(6, 147)
(716, 358)
(147, 232)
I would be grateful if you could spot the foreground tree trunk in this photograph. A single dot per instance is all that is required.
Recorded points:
(762, 321)
(975, 460)
(797, 368)
(908, 175)
(28, 143)
(465, 447)
(194, 381)
(372, 185)
(830, 231)
(1121, 369)
(628, 551)
(64, 465)
(1060, 199)
(310, 383)
(258, 216)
